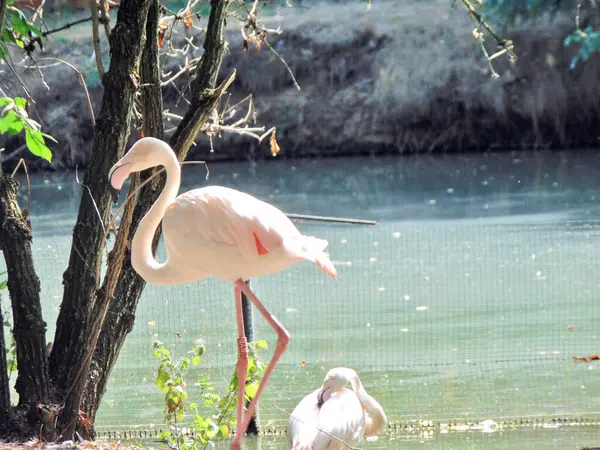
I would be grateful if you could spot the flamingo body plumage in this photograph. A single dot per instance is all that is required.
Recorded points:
(334, 417)
(221, 232)
(229, 234)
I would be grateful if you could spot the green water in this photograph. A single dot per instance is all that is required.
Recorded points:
(455, 307)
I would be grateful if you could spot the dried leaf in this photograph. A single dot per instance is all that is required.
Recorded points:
(577, 359)
(594, 357)
(162, 31)
(303, 364)
(141, 134)
(188, 23)
(245, 45)
(274, 145)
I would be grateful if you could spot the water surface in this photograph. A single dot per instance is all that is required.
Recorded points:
(467, 301)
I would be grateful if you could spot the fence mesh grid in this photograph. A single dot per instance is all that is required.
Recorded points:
(441, 320)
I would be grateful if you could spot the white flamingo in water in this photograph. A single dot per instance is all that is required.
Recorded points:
(334, 417)
(216, 231)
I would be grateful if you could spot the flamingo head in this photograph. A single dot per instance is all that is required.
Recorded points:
(335, 380)
(144, 154)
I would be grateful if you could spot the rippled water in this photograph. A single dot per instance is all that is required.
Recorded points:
(456, 306)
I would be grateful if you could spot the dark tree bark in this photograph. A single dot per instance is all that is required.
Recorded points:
(83, 308)
(121, 314)
(29, 328)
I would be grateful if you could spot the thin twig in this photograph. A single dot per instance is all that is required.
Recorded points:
(104, 20)
(81, 79)
(96, 37)
(506, 44)
(284, 63)
(66, 27)
(39, 12)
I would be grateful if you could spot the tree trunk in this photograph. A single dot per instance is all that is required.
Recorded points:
(29, 328)
(78, 324)
(130, 284)
(121, 313)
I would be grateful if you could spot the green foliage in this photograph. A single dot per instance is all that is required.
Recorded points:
(14, 120)
(588, 41)
(217, 417)
(17, 30)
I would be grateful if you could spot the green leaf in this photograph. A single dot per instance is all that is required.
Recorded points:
(36, 145)
(251, 389)
(35, 30)
(196, 360)
(7, 120)
(15, 128)
(3, 51)
(19, 24)
(262, 344)
(162, 378)
(21, 102)
(224, 431)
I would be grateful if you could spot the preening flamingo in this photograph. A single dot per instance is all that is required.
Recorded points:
(216, 231)
(334, 417)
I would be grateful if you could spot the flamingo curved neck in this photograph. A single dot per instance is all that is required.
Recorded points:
(377, 418)
(142, 258)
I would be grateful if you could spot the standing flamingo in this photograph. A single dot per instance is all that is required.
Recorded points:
(220, 232)
(334, 417)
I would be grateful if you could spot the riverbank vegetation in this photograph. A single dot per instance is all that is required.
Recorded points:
(386, 79)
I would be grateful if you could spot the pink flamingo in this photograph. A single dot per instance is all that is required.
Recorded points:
(220, 232)
(334, 417)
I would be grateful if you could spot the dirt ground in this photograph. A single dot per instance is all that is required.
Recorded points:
(395, 78)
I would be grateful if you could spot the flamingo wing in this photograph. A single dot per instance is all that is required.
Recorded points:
(227, 227)
(229, 217)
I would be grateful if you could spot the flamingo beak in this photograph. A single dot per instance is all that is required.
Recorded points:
(116, 177)
(320, 399)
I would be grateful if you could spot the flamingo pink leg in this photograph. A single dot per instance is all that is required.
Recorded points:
(242, 364)
(283, 339)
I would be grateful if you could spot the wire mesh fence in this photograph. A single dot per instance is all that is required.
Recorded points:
(443, 321)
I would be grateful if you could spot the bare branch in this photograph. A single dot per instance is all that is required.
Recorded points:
(480, 21)
(284, 63)
(96, 37)
(81, 79)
